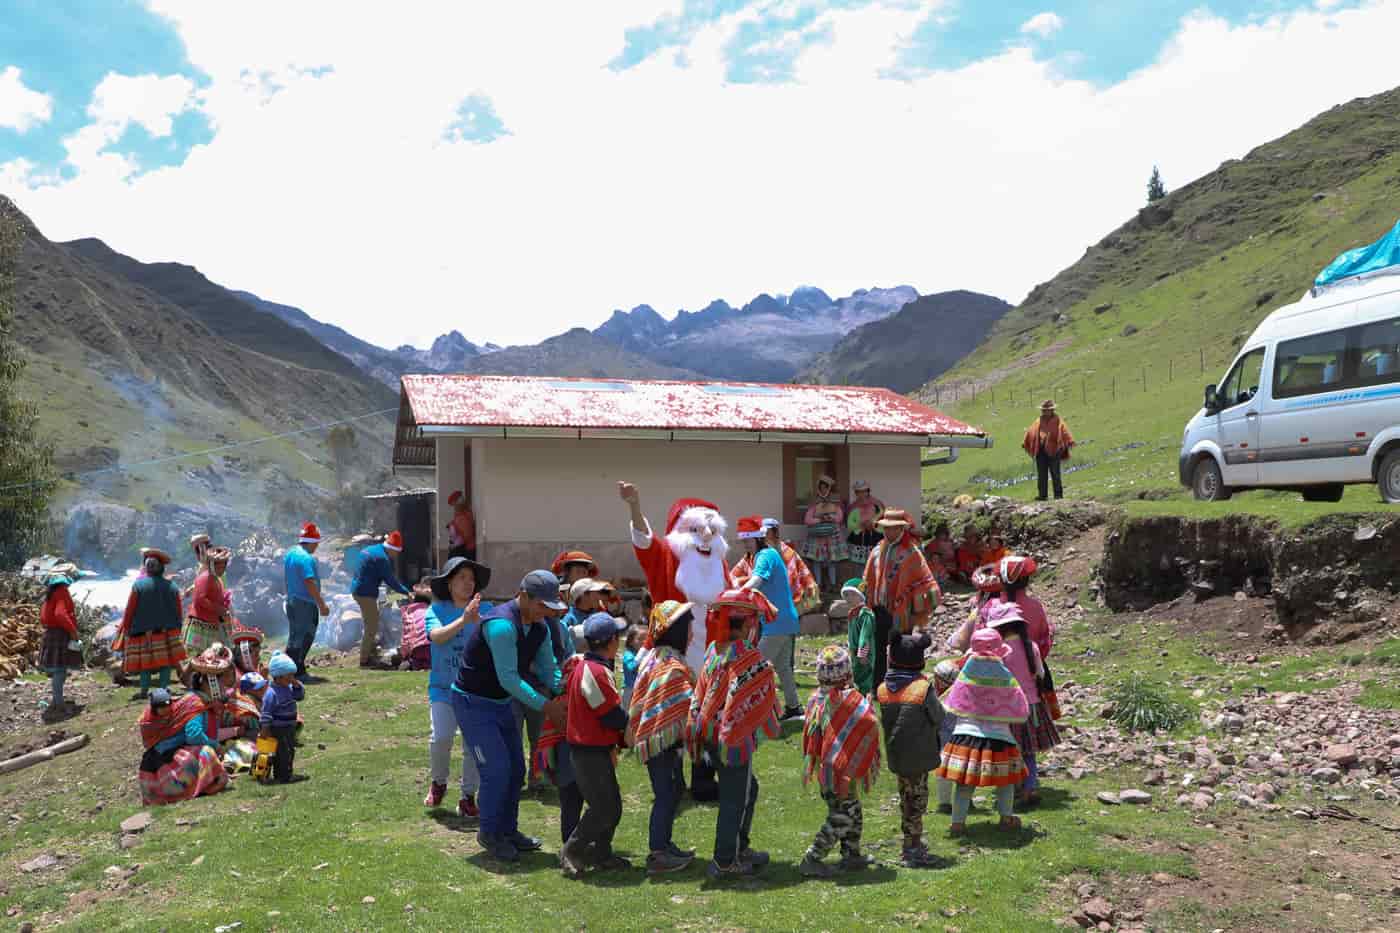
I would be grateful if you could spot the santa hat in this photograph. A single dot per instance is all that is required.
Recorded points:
(394, 542)
(310, 534)
(680, 505)
(751, 526)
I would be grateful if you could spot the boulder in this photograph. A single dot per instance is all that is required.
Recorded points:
(1134, 796)
(1341, 756)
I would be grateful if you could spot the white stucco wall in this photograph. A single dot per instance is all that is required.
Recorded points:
(893, 473)
(450, 451)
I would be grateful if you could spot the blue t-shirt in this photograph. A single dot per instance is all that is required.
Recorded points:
(629, 669)
(375, 569)
(300, 567)
(446, 658)
(768, 566)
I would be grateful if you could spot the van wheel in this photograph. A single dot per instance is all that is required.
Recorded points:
(1331, 493)
(1207, 483)
(1388, 477)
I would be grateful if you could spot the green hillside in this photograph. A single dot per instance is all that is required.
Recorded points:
(1126, 339)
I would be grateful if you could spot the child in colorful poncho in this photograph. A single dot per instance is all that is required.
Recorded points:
(656, 721)
(841, 742)
(552, 761)
(911, 716)
(860, 635)
(736, 696)
(983, 753)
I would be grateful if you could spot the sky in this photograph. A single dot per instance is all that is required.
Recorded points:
(511, 170)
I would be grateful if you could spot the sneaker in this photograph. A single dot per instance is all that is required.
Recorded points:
(436, 792)
(571, 861)
(613, 862)
(665, 861)
(498, 847)
(755, 857)
(793, 713)
(677, 850)
(467, 808)
(856, 862)
(815, 868)
(735, 869)
(523, 842)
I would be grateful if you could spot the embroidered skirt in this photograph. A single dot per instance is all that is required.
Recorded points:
(977, 762)
(150, 651)
(199, 635)
(54, 653)
(827, 548)
(191, 772)
(1038, 733)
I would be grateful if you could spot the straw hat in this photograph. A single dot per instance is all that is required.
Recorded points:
(1047, 407)
(663, 616)
(893, 518)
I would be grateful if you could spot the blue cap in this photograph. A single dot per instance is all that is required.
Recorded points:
(251, 681)
(160, 696)
(601, 627)
(543, 586)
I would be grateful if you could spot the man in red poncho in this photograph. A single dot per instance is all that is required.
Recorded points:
(688, 566)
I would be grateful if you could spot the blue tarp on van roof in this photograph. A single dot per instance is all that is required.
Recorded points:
(1381, 254)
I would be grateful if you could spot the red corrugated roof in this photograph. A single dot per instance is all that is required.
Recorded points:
(610, 404)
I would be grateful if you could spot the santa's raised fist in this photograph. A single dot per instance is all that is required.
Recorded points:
(628, 493)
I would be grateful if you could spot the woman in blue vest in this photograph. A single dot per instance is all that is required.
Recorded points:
(149, 637)
(508, 657)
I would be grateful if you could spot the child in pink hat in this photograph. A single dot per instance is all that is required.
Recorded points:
(982, 752)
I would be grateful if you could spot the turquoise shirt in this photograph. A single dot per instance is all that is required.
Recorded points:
(300, 566)
(768, 566)
(447, 657)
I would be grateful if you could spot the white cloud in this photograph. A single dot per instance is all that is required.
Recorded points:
(21, 108)
(333, 190)
(1043, 25)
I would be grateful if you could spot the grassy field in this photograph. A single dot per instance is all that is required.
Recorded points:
(354, 849)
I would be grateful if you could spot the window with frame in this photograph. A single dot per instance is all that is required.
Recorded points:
(1378, 352)
(1316, 363)
(803, 465)
(1243, 381)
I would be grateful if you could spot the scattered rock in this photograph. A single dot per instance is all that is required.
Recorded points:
(1326, 775)
(1134, 796)
(129, 841)
(1129, 330)
(38, 863)
(367, 899)
(1107, 797)
(1098, 910)
(1155, 778)
(138, 823)
(1341, 755)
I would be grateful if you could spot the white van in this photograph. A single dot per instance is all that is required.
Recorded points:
(1312, 401)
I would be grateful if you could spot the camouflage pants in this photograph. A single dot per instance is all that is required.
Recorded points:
(844, 822)
(913, 804)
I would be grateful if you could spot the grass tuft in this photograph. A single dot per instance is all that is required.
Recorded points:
(1140, 705)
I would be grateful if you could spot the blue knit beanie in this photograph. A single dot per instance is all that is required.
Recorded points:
(281, 665)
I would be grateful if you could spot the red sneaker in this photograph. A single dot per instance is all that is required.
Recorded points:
(467, 808)
(436, 792)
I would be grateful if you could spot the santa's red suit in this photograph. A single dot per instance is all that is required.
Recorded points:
(660, 563)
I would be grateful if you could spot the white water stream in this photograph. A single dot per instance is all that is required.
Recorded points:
(104, 591)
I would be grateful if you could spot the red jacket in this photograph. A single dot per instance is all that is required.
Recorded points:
(58, 611)
(595, 716)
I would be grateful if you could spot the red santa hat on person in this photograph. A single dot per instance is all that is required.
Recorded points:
(394, 542)
(750, 526)
(310, 534)
(455, 497)
(681, 506)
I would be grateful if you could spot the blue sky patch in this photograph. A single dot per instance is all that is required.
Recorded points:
(476, 121)
(1098, 42)
(64, 48)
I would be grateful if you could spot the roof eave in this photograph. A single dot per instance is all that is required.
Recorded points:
(663, 434)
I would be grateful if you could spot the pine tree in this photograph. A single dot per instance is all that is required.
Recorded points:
(27, 478)
(1156, 191)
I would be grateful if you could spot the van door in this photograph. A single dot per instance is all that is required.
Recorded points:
(1309, 420)
(1237, 420)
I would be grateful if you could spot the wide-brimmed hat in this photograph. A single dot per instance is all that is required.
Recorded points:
(215, 659)
(438, 583)
(1000, 614)
(566, 558)
(751, 601)
(155, 552)
(663, 616)
(894, 517)
(1047, 406)
(750, 526)
(218, 555)
(243, 632)
(198, 539)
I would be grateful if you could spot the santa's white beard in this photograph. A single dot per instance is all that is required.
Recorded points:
(700, 577)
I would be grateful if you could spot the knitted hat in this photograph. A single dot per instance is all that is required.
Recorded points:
(833, 666)
(394, 542)
(160, 697)
(750, 526)
(281, 665)
(1016, 567)
(310, 534)
(945, 672)
(853, 591)
(663, 616)
(745, 600)
(986, 689)
(907, 651)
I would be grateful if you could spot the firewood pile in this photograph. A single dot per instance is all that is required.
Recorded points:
(20, 637)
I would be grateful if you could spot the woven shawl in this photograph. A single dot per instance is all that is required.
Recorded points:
(545, 761)
(656, 719)
(841, 741)
(156, 727)
(735, 696)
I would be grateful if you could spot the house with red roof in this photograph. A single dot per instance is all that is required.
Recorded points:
(539, 458)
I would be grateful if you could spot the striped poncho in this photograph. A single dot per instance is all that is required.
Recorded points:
(545, 761)
(735, 696)
(841, 740)
(661, 698)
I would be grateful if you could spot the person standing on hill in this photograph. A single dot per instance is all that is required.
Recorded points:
(149, 635)
(305, 605)
(1048, 442)
(376, 569)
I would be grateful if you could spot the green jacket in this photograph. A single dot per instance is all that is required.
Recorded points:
(860, 642)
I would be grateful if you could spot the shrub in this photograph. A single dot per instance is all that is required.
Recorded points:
(1139, 705)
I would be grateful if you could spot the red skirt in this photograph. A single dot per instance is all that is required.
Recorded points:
(151, 651)
(977, 762)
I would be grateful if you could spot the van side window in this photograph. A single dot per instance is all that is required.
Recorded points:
(1243, 381)
(1378, 353)
(1317, 363)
